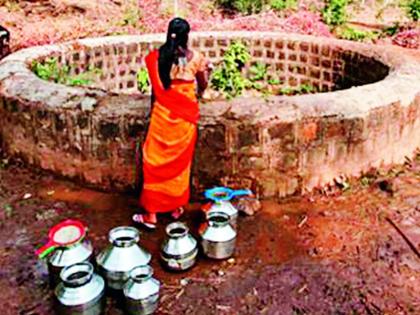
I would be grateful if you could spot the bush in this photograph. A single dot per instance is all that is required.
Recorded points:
(334, 12)
(413, 9)
(350, 33)
(283, 4)
(256, 6)
(391, 30)
(243, 6)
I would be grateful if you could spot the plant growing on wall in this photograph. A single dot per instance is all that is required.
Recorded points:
(143, 81)
(50, 70)
(258, 78)
(302, 89)
(228, 78)
(257, 72)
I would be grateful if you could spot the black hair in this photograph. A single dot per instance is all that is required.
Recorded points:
(177, 36)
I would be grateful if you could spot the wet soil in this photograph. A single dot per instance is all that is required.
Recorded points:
(331, 252)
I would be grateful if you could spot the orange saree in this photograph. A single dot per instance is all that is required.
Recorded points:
(169, 146)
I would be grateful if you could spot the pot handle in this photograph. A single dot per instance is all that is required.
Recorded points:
(241, 192)
(225, 194)
(46, 249)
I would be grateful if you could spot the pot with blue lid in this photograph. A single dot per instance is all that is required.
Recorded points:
(221, 197)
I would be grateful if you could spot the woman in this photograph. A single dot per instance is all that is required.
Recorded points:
(177, 75)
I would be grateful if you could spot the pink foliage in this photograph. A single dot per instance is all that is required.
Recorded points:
(45, 28)
(305, 22)
(302, 22)
(408, 39)
(105, 19)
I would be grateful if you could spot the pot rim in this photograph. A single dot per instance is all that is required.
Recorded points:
(84, 267)
(177, 225)
(141, 273)
(222, 221)
(130, 234)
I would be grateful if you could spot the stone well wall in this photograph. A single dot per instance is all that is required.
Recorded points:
(277, 146)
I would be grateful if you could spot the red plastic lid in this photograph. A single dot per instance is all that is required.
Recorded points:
(67, 232)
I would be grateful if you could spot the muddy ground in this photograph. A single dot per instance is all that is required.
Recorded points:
(331, 252)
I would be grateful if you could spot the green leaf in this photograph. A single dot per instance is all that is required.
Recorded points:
(143, 81)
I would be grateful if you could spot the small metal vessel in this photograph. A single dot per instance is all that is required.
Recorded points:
(66, 256)
(81, 292)
(121, 256)
(141, 292)
(218, 237)
(179, 250)
(228, 208)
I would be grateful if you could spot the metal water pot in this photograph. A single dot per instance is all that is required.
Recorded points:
(179, 250)
(218, 237)
(81, 292)
(121, 256)
(141, 292)
(66, 256)
(225, 207)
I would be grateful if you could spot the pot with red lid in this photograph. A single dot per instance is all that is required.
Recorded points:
(67, 245)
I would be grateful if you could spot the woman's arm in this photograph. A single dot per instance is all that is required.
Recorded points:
(203, 79)
(202, 82)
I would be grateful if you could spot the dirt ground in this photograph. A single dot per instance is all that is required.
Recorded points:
(331, 252)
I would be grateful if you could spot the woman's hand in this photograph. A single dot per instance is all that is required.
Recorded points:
(203, 78)
(209, 68)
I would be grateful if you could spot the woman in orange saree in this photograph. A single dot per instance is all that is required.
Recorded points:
(168, 151)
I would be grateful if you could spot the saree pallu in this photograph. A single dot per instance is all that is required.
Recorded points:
(169, 146)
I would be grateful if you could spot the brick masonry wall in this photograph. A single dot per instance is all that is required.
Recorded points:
(323, 66)
(278, 146)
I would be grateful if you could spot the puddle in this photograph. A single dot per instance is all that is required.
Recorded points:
(261, 238)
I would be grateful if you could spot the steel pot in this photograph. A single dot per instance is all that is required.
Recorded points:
(66, 256)
(141, 292)
(225, 207)
(121, 256)
(81, 292)
(218, 237)
(179, 250)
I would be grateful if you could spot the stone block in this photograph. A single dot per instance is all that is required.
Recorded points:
(108, 130)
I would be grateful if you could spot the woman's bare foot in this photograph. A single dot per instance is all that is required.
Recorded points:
(148, 220)
(178, 213)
